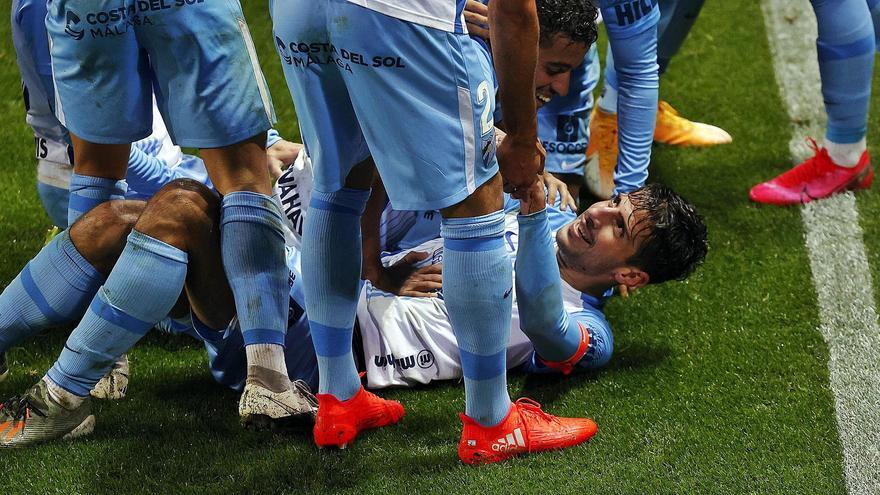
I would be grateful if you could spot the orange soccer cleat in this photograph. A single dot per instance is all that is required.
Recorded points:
(567, 366)
(339, 422)
(601, 154)
(675, 130)
(526, 429)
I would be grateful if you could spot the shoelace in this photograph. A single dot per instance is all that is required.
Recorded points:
(20, 407)
(305, 391)
(808, 169)
(532, 407)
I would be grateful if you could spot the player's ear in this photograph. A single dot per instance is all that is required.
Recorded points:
(632, 277)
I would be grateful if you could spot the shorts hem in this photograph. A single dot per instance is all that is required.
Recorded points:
(96, 139)
(220, 142)
(439, 204)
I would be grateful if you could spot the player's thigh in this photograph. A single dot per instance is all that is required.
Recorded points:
(424, 99)
(328, 123)
(208, 82)
(101, 75)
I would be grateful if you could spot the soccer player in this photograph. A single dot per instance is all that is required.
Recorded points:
(848, 34)
(183, 217)
(152, 162)
(362, 98)
(108, 59)
(408, 340)
(605, 172)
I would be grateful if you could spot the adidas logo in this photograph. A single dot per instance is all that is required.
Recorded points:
(513, 441)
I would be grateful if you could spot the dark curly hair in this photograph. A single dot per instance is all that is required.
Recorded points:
(575, 19)
(675, 236)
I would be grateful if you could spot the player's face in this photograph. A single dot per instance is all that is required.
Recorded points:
(556, 58)
(600, 240)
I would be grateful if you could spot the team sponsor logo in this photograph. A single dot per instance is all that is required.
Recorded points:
(512, 441)
(115, 22)
(302, 54)
(632, 11)
(568, 127)
(404, 363)
(565, 148)
(70, 27)
(425, 359)
(291, 200)
(282, 50)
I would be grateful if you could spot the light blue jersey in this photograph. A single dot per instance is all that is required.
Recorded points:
(564, 122)
(110, 56)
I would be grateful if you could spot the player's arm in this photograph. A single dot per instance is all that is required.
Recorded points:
(402, 278)
(634, 45)
(513, 30)
(539, 285)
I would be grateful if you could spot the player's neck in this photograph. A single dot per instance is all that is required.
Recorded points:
(594, 285)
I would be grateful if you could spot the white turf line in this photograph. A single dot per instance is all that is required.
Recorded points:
(840, 268)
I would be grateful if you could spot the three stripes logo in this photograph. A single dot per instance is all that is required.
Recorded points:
(512, 441)
(70, 26)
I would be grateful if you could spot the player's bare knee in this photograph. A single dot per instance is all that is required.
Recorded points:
(100, 234)
(181, 209)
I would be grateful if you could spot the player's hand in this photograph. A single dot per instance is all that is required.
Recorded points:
(521, 160)
(403, 279)
(476, 16)
(625, 291)
(281, 155)
(557, 187)
(532, 200)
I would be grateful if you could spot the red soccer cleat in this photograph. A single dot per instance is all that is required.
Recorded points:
(815, 178)
(526, 429)
(339, 422)
(567, 366)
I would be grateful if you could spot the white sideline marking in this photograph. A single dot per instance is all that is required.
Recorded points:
(840, 267)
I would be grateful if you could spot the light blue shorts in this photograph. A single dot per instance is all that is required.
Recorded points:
(419, 100)
(110, 56)
(564, 123)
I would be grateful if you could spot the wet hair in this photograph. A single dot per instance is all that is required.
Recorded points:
(575, 19)
(674, 235)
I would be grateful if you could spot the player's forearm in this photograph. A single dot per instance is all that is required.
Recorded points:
(538, 283)
(635, 57)
(514, 40)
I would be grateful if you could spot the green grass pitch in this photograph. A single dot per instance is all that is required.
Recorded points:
(717, 385)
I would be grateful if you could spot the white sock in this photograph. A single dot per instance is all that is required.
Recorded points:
(845, 155)
(608, 100)
(67, 400)
(269, 356)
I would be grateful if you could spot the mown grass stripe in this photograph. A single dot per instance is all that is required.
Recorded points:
(834, 239)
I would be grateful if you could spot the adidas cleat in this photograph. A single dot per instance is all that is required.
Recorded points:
(815, 178)
(4, 368)
(291, 408)
(526, 430)
(675, 130)
(339, 422)
(601, 154)
(567, 366)
(35, 417)
(114, 385)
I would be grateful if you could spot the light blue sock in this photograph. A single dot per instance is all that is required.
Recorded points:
(88, 192)
(874, 5)
(55, 287)
(477, 287)
(846, 63)
(252, 246)
(142, 288)
(331, 270)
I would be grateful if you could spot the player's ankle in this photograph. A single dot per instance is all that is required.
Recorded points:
(66, 399)
(845, 154)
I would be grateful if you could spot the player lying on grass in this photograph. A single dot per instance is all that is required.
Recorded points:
(405, 330)
(186, 214)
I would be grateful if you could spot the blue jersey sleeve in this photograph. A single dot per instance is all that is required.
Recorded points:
(543, 318)
(598, 353)
(632, 37)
